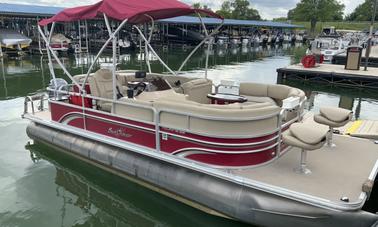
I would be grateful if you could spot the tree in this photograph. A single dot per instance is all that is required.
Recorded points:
(316, 10)
(238, 9)
(199, 6)
(196, 5)
(362, 12)
(225, 10)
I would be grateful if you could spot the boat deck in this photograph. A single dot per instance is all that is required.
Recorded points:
(336, 172)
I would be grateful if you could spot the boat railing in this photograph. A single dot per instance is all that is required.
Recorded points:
(281, 124)
(30, 100)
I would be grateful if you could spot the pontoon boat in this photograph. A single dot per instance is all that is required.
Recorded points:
(217, 148)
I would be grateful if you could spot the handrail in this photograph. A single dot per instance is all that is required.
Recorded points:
(31, 99)
(157, 116)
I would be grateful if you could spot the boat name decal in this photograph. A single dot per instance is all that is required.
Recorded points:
(118, 132)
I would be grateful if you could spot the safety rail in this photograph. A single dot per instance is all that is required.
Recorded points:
(157, 112)
(31, 99)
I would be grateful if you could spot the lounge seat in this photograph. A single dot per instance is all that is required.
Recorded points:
(307, 138)
(256, 92)
(197, 90)
(221, 121)
(333, 117)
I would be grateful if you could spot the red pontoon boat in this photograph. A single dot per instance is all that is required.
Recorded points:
(198, 142)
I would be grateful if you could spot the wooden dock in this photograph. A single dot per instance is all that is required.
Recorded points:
(340, 59)
(367, 129)
(330, 74)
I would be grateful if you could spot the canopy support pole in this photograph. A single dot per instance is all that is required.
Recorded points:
(102, 50)
(199, 45)
(50, 50)
(153, 51)
(147, 55)
(208, 45)
(114, 43)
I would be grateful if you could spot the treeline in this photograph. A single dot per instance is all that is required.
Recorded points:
(235, 9)
(312, 11)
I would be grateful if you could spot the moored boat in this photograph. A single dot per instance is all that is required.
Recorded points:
(13, 42)
(218, 147)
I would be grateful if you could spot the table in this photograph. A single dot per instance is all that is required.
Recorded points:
(222, 99)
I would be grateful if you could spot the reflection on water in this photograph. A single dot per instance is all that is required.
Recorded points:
(40, 187)
(107, 200)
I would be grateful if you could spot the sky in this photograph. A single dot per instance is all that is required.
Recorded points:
(268, 9)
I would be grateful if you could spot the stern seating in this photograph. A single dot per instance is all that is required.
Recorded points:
(221, 119)
(273, 93)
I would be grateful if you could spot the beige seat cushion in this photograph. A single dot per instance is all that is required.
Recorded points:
(336, 114)
(325, 121)
(101, 85)
(277, 92)
(162, 95)
(197, 90)
(289, 139)
(307, 133)
(213, 127)
(135, 112)
(257, 99)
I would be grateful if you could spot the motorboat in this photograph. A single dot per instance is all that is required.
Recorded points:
(60, 42)
(218, 147)
(329, 47)
(13, 42)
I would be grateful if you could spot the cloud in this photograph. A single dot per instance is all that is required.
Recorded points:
(268, 8)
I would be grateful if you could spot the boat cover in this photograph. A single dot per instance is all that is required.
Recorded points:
(11, 37)
(133, 10)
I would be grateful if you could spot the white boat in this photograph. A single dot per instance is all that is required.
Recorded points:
(221, 152)
(13, 41)
(329, 47)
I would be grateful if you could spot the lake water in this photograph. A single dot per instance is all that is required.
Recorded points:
(41, 187)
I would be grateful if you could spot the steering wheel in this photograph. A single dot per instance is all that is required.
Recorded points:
(139, 88)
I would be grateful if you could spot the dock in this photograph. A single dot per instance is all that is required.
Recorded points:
(330, 74)
(340, 59)
(367, 129)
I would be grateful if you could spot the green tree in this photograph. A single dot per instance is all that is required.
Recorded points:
(238, 9)
(199, 6)
(317, 10)
(225, 10)
(196, 5)
(363, 12)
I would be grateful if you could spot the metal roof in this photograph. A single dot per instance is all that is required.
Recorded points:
(37, 10)
(28, 10)
(258, 23)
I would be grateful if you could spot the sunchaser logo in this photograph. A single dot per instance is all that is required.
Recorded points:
(118, 132)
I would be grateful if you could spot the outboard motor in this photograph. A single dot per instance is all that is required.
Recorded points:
(57, 84)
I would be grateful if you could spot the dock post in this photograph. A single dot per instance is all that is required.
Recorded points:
(279, 76)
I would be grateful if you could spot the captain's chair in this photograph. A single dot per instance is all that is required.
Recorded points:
(101, 85)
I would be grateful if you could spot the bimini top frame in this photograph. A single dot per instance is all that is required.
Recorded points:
(126, 11)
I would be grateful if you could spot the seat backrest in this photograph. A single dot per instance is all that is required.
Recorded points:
(198, 89)
(102, 84)
(212, 126)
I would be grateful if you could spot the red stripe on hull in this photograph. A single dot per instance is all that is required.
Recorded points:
(143, 134)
